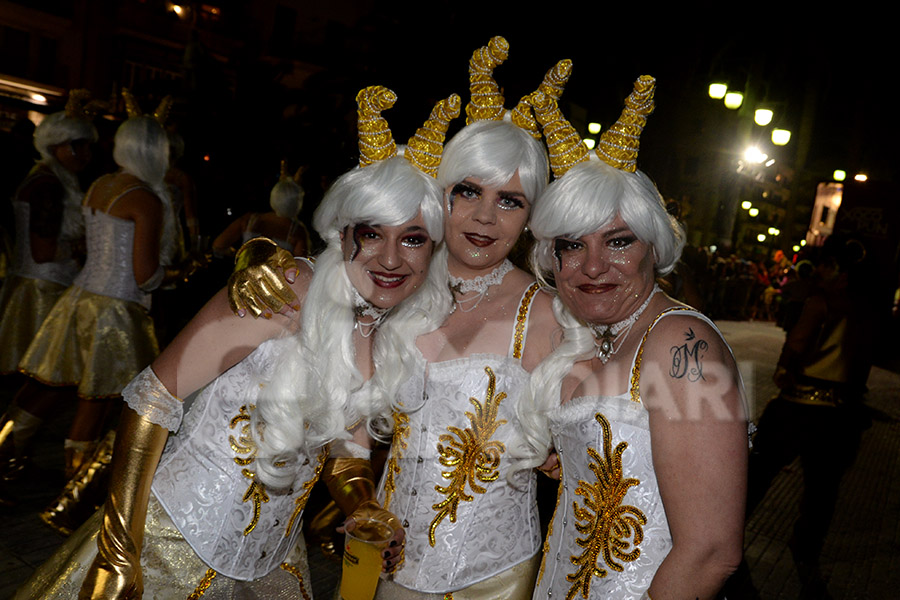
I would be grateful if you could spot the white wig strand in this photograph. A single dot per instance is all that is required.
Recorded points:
(141, 148)
(589, 197)
(59, 129)
(318, 391)
(286, 198)
(493, 151)
(543, 394)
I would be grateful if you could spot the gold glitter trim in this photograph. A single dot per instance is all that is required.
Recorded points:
(546, 548)
(522, 318)
(471, 455)
(398, 444)
(244, 445)
(448, 596)
(300, 503)
(425, 148)
(604, 522)
(638, 358)
(375, 139)
(553, 84)
(564, 145)
(203, 585)
(296, 573)
(486, 101)
(618, 145)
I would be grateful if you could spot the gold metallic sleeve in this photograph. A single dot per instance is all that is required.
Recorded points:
(351, 483)
(116, 571)
(258, 283)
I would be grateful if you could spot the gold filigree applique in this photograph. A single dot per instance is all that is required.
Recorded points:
(300, 503)
(296, 573)
(245, 448)
(522, 317)
(203, 585)
(471, 454)
(398, 444)
(604, 522)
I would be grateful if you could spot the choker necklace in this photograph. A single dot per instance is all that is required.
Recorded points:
(609, 338)
(480, 284)
(364, 308)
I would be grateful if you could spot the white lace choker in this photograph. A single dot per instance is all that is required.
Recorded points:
(364, 308)
(609, 338)
(480, 284)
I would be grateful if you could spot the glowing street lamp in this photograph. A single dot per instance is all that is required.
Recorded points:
(763, 116)
(733, 100)
(861, 177)
(717, 90)
(590, 143)
(746, 205)
(755, 155)
(761, 237)
(753, 211)
(780, 137)
(594, 128)
(839, 175)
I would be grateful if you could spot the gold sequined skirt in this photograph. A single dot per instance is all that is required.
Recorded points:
(170, 568)
(95, 342)
(24, 304)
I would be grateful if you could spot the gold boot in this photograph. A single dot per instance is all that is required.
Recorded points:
(84, 493)
(76, 454)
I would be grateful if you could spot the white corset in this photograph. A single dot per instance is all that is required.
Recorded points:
(485, 526)
(109, 270)
(61, 270)
(206, 471)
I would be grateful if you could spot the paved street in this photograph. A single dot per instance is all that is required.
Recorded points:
(861, 558)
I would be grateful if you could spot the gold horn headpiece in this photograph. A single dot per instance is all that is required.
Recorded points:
(375, 139)
(425, 148)
(552, 86)
(618, 146)
(486, 101)
(76, 103)
(133, 109)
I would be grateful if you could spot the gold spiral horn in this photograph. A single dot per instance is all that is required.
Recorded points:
(552, 85)
(425, 148)
(132, 108)
(375, 139)
(563, 143)
(618, 146)
(162, 111)
(283, 170)
(486, 101)
(75, 104)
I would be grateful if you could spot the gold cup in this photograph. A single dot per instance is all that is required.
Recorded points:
(362, 558)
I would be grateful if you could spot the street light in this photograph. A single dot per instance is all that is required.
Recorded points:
(761, 237)
(755, 155)
(753, 211)
(780, 137)
(590, 143)
(861, 177)
(733, 100)
(717, 90)
(594, 128)
(763, 116)
(746, 205)
(839, 175)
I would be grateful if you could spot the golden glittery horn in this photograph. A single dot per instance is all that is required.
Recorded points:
(375, 139)
(76, 103)
(618, 146)
(563, 143)
(486, 101)
(425, 148)
(162, 111)
(552, 85)
(131, 106)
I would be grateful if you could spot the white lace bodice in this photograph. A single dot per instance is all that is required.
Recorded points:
(206, 483)
(447, 477)
(62, 270)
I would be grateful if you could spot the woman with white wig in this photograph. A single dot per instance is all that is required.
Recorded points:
(642, 400)
(218, 513)
(49, 240)
(281, 225)
(454, 415)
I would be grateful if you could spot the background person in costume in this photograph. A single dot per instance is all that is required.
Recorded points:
(281, 225)
(455, 414)
(642, 400)
(228, 493)
(49, 246)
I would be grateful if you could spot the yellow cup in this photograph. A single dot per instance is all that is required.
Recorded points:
(362, 558)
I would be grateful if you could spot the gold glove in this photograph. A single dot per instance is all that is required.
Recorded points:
(258, 283)
(351, 483)
(116, 571)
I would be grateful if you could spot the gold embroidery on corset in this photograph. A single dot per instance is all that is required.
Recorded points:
(300, 503)
(604, 521)
(545, 551)
(636, 373)
(398, 444)
(296, 573)
(244, 445)
(471, 454)
(519, 333)
(203, 585)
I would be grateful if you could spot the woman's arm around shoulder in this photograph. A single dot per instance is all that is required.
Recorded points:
(698, 429)
(216, 339)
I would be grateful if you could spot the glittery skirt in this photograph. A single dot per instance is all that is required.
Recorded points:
(515, 583)
(24, 304)
(170, 568)
(95, 342)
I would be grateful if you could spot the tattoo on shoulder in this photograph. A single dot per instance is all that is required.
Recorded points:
(687, 359)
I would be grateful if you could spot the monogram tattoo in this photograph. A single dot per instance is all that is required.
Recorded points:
(687, 359)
